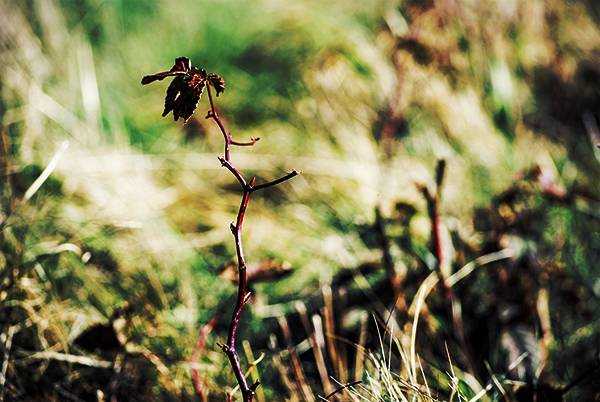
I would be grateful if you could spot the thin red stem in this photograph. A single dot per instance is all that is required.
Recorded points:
(234, 171)
(213, 115)
(243, 296)
(228, 140)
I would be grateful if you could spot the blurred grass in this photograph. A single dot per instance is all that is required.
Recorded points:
(493, 87)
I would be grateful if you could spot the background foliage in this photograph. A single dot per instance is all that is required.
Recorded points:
(129, 235)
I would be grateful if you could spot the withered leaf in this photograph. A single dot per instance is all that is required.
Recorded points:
(172, 93)
(185, 91)
(187, 99)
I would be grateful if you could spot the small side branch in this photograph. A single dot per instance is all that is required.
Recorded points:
(234, 171)
(253, 140)
(228, 140)
(275, 182)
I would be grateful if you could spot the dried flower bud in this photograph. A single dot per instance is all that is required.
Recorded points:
(182, 64)
(217, 82)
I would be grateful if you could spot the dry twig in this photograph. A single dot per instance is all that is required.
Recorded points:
(182, 98)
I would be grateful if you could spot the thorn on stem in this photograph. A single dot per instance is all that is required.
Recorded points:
(232, 227)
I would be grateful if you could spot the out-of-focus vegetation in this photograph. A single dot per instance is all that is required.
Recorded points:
(114, 264)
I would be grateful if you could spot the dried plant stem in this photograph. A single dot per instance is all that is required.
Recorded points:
(8, 338)
(228, 140)
(296, 364)
(394, 278)
(341, 388)
(315, 346)
(384, 242)
(200, 345)
(243, 295)
(260, 395)
(454, 305)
